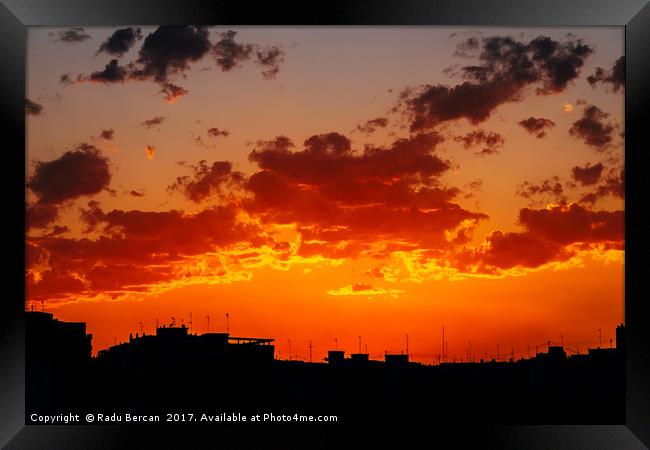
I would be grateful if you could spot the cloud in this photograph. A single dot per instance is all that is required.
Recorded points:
(169, 50)
(536, 126)
(344, 202)
(587, 175)
(568, 224)
(615, 76)
(41, 215)
(372, 125)
(208, 181)
(134, 193)
(108, 134)
(71, 35)
(66, 79)
(172, 92)
(228, 53)
(112, 73)
(153, 122)
(552, 235)
(32, 108)
(138, 252)
(491, 140)
(120, 41)
(613, 184)
(270, 60)
(216, 132)
(80, 172)
(593, 128)
(550, 187)
(363, 289)
(506, 66)
(151, 151)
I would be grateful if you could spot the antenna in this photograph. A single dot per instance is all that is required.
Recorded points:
(289, 349)
(366, 347)
(190, 322)
(42, 305)
(600, 338)
(469, 356)
(359, 344)
(407, 344)
(227, 323)
(208, 319)
(528, 351)
(310, 347)
(140, 327)
(443, 343)
(336, 344)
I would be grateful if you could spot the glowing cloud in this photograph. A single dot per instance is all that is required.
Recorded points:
(150, 152)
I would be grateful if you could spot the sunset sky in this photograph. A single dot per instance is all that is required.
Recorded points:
(329, 183)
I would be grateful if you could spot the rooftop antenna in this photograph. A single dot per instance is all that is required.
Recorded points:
(227, 323)
(310, 347)
(190, 322)
(359, 344)
(208, 319)
(336, 344)
(443, 343)
(289, 349)
(407, 344)
(600, 338)
(469, 356)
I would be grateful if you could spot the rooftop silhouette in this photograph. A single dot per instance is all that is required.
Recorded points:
(175, 368)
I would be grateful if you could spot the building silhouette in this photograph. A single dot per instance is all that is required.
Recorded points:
(174, 368)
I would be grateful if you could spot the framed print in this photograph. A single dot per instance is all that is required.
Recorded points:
(252, 226)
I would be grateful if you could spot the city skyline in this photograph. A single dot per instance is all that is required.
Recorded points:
(329, 183)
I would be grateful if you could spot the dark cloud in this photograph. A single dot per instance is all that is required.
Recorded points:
(32, 108)
(153, 122)
(66, 79)
(506, 67)
(612, 185)
(108, 134)
(270, 60)
(344, 202)
(71, 35)
(551, 235)
(490, 140)
(41, 215)
(169, 50)
(120, 41)
(615, 76)
(230, 54)
(112, 73)
(550, 187)
(536, 126)
(134, 193)
(587, 175)
(594, 128)
(172, 92)
(372, 125)
(208, 181)
(568, 224)
(80, 172)
(216, 132)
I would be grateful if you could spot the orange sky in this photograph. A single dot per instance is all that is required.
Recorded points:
(330, 183)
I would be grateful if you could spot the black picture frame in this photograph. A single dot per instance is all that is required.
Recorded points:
(634, 15)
